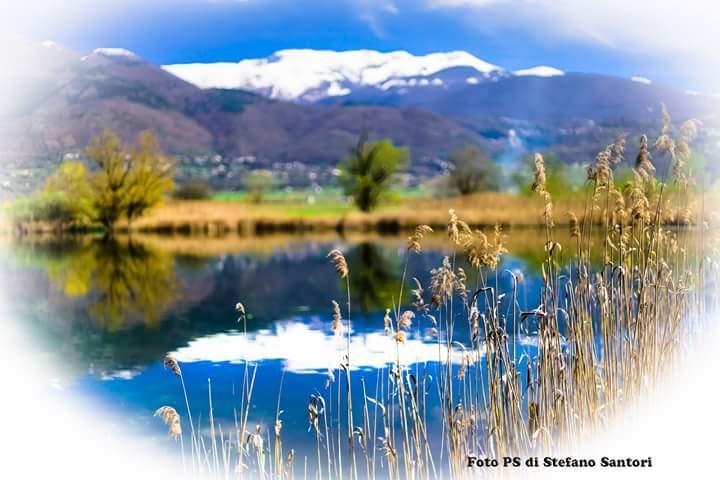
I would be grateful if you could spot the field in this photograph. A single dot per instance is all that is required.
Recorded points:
(404, 214)
(280, 212)
(401, 214)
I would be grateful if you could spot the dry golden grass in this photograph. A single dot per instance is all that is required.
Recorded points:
(483, 209)
(479, 210)
(214, 217)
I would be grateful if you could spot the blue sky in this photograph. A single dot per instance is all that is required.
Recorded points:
(592, 37)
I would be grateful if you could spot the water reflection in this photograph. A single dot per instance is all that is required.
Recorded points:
(320, 352)
(125, 280)
(110, 310)
(375, 279)
(115, 305)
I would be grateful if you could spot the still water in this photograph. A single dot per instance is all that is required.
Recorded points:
(105, 313)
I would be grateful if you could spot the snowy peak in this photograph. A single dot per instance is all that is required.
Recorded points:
(115, 52)
(108, 55)
(304, 74)
(643, 80)
(539, 71)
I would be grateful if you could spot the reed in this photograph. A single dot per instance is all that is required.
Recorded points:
(603, 334)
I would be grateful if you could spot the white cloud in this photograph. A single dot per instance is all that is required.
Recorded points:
(680, 33)
(672, 24)
(374, 13)
(391, 8)
(463, 3)
(320, 350)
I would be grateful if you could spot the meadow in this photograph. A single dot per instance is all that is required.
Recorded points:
(232, 214)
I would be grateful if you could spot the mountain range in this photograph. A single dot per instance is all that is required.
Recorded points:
(298, 111)
(311, 75)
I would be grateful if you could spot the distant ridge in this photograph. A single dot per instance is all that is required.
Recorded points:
(310, 75)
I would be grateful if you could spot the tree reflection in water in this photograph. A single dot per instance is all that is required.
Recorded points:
(374, 277)
(123, 280)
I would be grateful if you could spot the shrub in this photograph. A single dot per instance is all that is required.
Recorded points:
(71, 182)
(51, 207)
(258, 183)
(195, 189)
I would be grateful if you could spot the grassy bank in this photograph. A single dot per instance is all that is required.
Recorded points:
(291, 216)
(401, 215)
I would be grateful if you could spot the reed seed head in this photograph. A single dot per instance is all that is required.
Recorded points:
(414, 240)
(574, 226)
(171, 418)
(405, 320)
(172, 364)
(452, 227)
(336, 324)
(643, 163)
(442, 282)
(338, 259)
(387, 321)
(540, 178)
(240, 308)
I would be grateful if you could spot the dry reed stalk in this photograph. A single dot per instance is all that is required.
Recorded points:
(603, 333)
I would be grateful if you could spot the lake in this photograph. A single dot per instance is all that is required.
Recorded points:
(107, 312)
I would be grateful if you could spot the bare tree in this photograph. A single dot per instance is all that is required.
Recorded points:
(472, 170)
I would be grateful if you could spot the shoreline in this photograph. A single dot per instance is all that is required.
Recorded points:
(213, 217)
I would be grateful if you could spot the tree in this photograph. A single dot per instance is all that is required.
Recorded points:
(472, 171)
(258, 183)
(367, 172)
(70, 185)
(150, 176)
(110, 182)
(127, 183)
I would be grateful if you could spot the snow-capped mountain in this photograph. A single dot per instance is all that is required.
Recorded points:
(312, 75)
(432, 104)
(539, 71)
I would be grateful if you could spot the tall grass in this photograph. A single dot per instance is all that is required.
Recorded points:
(602, 334)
